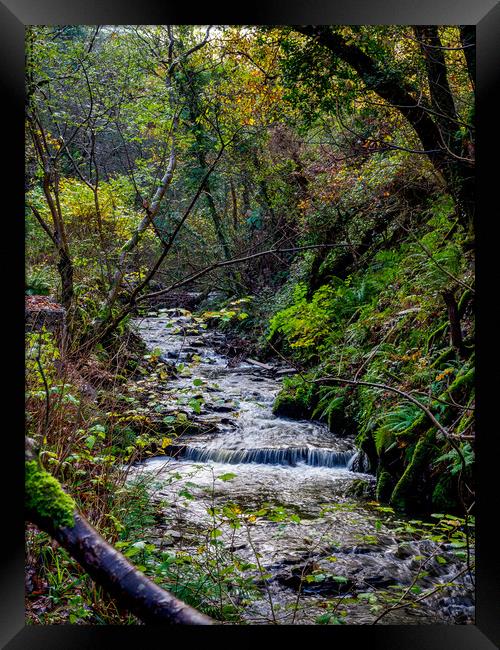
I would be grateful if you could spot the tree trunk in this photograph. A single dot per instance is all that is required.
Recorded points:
(440, 92)
(468, 39)
(65, 268)
(454, 318)
(458, 172)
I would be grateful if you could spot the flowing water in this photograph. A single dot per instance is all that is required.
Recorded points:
(272, 499)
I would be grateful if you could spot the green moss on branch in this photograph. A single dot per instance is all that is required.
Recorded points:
(45, 500)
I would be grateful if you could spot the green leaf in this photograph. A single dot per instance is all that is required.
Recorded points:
(198, 382)
(227, 477)
(90, 441)
(195, 404)
(341, 579)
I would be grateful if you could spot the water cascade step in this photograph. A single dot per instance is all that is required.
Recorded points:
(266, 455)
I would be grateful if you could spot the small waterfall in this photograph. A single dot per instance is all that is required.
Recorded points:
(270, 456)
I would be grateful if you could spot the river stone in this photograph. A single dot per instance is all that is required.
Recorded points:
(296, 579)
(285, 371)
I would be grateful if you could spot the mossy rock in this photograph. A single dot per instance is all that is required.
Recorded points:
(411, 491)
(360, 489)
(365, 442)
(385, 486)
(296, 399)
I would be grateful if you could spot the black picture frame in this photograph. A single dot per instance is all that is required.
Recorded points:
(14, 15)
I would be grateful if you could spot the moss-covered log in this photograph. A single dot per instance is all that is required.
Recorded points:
(52, 510)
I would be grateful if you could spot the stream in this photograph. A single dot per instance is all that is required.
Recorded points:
(271, 502)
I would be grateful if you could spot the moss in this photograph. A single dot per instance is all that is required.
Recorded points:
(360, 489)
(385, 486)
(411, 431)
(464, 300)
(434, 334)
(444, 356)
(364, 440)
(406, 496)
(464, 380)
(465, 421)
(296, 399)
(45, 499)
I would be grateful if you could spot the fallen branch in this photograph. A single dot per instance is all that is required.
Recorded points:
(52, 510)
(132, 589)
(236, 260)
(253, 362)
(354, 382)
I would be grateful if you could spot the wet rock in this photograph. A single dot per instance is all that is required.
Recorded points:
(309, 579)
(356, 550)
(404, 551)
(170, 354)
(379, 581)
(219, 408)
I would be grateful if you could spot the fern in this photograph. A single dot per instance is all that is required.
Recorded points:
(456, 462)
(392, 423)
(329, 402)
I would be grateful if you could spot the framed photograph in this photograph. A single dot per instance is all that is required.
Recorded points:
(248, 265)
